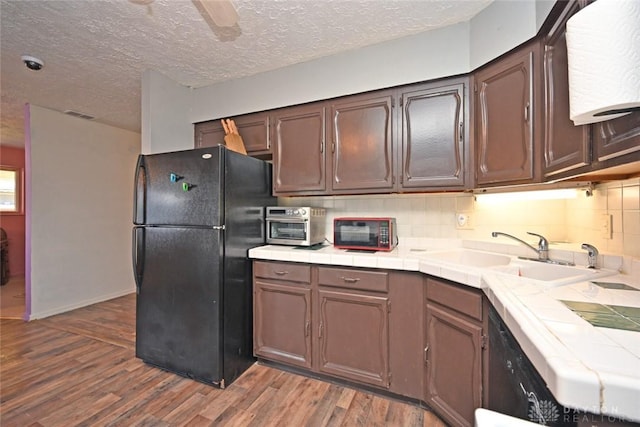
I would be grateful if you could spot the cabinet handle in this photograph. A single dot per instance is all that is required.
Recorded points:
(526, 112)
(350, 279)
(320, 330)
(426, 352)
(281, 272)
(307, 327)
(322, 146)
(461, 131)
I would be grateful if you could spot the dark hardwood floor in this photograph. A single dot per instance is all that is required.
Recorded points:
(79, 369)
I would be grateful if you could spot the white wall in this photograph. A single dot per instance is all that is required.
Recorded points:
(79, 222)
(500, 27)
(166, 110)
(168, 115)
(424, 56)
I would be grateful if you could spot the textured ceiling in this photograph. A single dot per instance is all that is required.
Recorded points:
(96, 51)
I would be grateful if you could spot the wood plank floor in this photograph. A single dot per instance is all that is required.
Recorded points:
(79, 369)
(12, 298)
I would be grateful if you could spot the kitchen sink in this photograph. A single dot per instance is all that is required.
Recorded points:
(469, 257)
(549, 274)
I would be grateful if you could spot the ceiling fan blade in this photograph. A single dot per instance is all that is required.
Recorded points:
(221, 12)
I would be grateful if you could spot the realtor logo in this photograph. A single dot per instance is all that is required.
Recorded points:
(543, 412)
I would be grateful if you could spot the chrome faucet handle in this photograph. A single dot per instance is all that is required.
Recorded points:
(592, 255)
(543, 243)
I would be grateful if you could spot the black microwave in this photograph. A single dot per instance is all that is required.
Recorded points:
(361, 233)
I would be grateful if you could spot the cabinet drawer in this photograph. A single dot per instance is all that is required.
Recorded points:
(465, 301)
(377, 281)
(282, 271)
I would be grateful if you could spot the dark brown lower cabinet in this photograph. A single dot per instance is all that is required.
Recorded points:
(409, 334)
(282, 313)
(353, 336)
(453, 351)
(454, 368)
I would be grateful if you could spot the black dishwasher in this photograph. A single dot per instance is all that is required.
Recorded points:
(515, 387)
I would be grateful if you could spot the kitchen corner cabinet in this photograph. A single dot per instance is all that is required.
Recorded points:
(282, 312)
(254, 129)
(362, 129)
(505, 118)
(454, 336)
(566, 147)
(299, 161)
(433, 144)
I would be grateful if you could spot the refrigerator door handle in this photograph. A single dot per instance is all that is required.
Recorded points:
(140, 192)
(138, 256)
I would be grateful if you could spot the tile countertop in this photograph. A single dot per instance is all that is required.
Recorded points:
(592, 369)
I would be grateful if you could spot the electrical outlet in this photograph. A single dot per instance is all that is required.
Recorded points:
(606, 225)
(463, 221)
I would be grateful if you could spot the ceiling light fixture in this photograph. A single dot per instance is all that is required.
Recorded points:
(221, 12)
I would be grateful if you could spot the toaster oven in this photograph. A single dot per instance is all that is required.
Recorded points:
(295, 226)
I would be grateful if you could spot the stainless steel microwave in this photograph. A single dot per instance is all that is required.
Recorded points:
(295, 226)
(375, 234)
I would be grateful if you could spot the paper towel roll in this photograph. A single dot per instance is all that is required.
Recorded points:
(603, 48)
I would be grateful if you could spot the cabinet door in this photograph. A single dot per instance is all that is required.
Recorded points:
(566, 146)
(299, 150)
(618, 137)
(353, 335)
(253, 128)
(453, 355)
(433, 137)
(208, 134)
(406, 333)
(362, 143)
(282, 322)
(505, 120)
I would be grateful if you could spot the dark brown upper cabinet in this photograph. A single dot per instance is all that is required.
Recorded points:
(208, 134)
(566, 146)
(299, 160)
(253, 128)
(618, 139)
(362, 129)
(434, 151)
(505, 109)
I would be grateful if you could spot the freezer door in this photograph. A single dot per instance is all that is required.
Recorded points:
(178, 318)
(180, 188)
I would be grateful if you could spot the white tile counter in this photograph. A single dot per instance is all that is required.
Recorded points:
(593, 369)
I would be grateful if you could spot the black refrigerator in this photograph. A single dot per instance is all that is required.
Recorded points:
(196, 215)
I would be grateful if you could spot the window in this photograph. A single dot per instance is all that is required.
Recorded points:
(10, 190)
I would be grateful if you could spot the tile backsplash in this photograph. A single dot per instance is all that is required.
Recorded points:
(576, 220)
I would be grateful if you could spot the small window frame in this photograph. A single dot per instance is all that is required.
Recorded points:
(19, 190)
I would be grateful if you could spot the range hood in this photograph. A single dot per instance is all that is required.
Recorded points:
(603, 47)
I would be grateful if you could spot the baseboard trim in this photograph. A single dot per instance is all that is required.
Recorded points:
(79, 304)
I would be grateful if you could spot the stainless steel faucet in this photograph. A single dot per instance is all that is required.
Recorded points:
(592, 255)
(543, 244)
